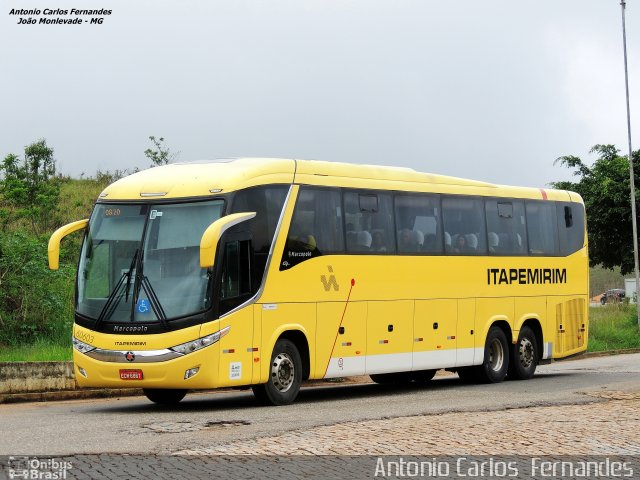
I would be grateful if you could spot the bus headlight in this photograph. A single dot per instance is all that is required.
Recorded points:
(199, 343)
(81, 346)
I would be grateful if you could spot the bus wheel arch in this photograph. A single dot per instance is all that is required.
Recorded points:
(299, 339)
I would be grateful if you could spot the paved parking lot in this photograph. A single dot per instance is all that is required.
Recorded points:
(607, 426)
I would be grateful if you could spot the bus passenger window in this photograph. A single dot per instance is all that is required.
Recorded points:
(570, 227)
(418, 224)
(369, 222)
(506, 227)
(542, 229)
(464, 221)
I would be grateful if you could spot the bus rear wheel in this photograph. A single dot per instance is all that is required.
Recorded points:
(285, 376)
(524, 356)
(164, 396)
(495, 365)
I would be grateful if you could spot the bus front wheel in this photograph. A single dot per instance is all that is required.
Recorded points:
(285, 376)
(524, 356)
(164, 396)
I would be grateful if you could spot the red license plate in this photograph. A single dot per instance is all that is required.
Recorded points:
(130, 374)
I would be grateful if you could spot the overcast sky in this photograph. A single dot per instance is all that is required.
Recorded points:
(490, 90)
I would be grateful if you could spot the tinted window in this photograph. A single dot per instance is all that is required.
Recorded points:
(542, 228)
(418, 224)
(267, 202)
(316, 227)
(369, 222)
(235, 278)
(464, 226)
(570, 227)
(235, 268)
(506, 230)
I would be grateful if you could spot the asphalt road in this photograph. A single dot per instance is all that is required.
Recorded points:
(133, 425)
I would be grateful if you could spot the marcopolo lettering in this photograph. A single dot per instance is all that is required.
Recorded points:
(130, 329)
(526, 276)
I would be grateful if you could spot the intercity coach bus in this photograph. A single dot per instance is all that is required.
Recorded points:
(268, 272)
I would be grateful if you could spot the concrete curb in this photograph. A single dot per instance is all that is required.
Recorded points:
(605, 353)
(59, 395)
(54, 381)
(27, 377)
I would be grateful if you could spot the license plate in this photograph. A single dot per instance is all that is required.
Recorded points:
(130, 374)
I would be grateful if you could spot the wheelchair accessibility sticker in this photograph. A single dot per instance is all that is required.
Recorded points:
(143, 305)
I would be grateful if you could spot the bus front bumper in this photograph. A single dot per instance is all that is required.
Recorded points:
(195, 370)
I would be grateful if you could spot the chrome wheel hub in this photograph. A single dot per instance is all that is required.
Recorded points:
(526, 352)
(282, 372)
(496, 355)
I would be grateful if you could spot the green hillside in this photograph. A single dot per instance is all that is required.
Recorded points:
(36, 304)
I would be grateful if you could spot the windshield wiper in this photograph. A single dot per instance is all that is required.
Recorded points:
(142, 282)
(131, 267)
(113, 302)
(155, 302)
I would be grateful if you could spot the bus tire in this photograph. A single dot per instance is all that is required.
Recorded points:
(495, 366)
(398, 378)
(524, 355)
(423, 375)
(164, 396)
(285, 376)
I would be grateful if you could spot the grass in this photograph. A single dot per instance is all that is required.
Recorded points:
(41, 351)
(613, 327)
(77, 198)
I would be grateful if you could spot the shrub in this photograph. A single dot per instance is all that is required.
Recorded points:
(35, 302)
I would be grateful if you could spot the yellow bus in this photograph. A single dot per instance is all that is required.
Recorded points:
(268, 272)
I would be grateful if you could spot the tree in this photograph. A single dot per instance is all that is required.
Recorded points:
(604, 187)
(160, 154)
(29, 187)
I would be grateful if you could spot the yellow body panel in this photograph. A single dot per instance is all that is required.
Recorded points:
(435, 325)
(397, 313)
(236, 358)
(349, 347)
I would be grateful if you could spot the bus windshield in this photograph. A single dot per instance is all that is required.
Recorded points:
(141, 263)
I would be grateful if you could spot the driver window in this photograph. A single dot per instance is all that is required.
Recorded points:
(236, 279)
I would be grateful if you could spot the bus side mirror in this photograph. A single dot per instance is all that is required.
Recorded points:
(211, 236)
(56, 238)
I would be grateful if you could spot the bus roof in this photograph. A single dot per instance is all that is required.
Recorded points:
(208, 178)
